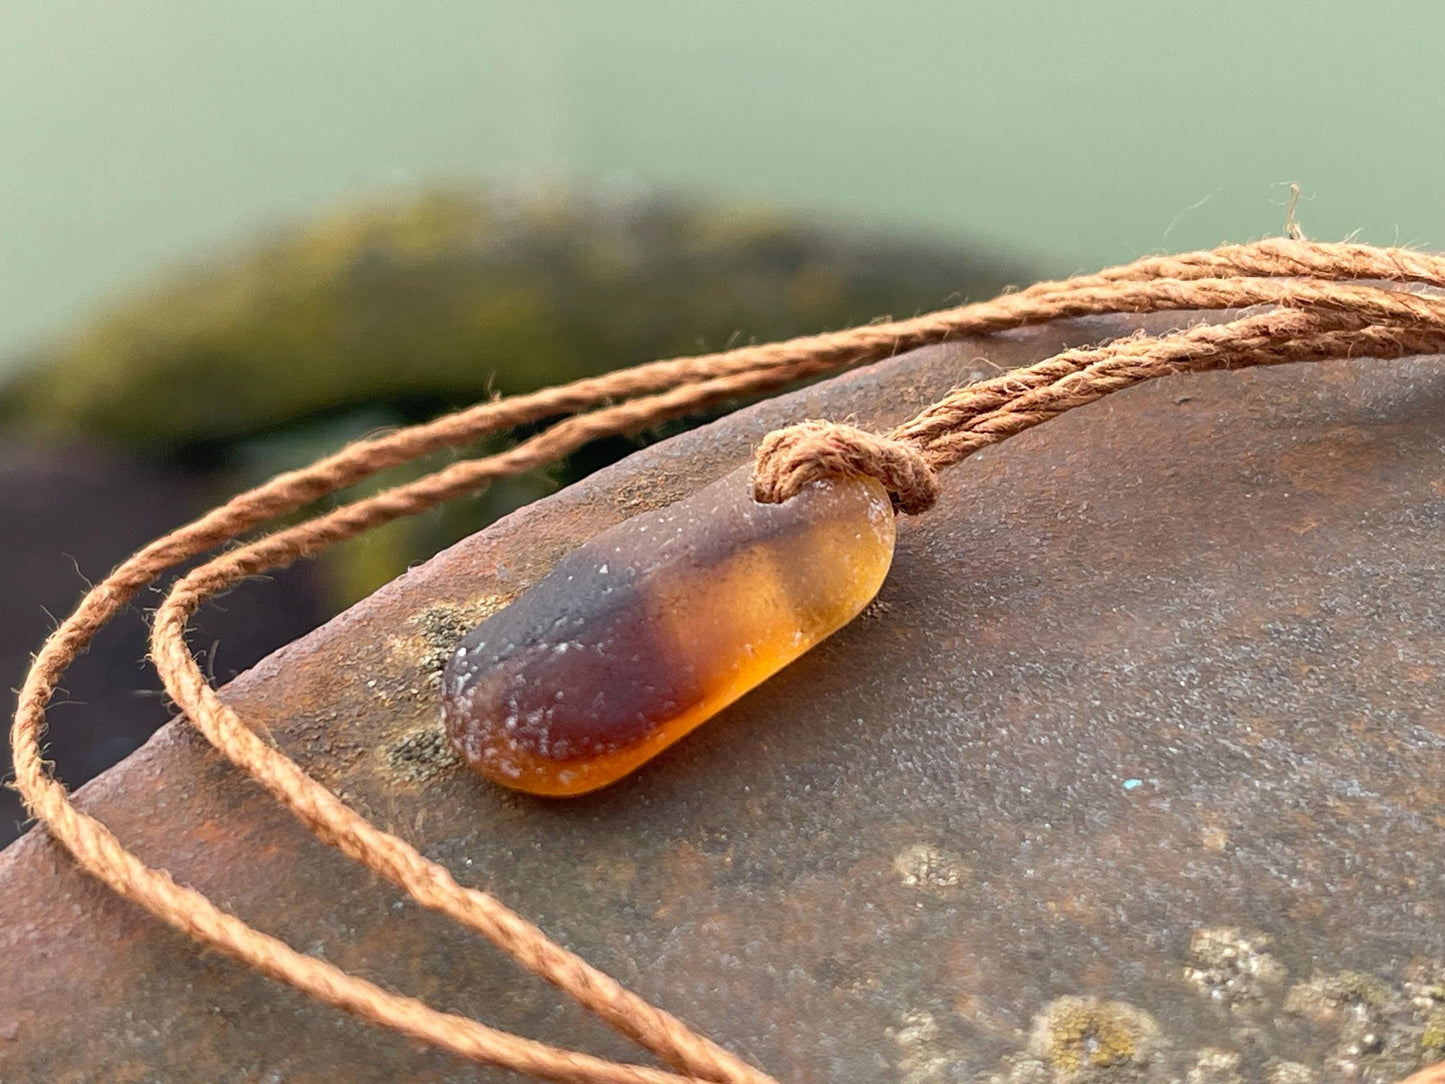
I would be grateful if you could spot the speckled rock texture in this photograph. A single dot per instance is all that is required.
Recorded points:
(1135, 771)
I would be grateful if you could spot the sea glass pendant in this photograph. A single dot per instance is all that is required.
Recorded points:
(655, 625)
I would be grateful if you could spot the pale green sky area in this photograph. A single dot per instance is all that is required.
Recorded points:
(1074, 134)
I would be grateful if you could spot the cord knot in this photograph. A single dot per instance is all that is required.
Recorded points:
(788, 459)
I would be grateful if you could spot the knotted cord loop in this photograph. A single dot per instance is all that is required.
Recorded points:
(788, 459)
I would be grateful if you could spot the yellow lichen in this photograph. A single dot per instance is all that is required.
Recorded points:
(1075, 1034)
(1432, 1041)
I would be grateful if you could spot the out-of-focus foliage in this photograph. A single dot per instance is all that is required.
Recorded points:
(409, 307)
(383, 314)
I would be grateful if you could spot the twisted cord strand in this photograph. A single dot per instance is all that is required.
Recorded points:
(981, 414)
(1319, 315)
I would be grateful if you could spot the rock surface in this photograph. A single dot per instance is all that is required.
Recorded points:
(1135, 772)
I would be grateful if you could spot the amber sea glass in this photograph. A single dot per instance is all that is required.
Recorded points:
(655, 625)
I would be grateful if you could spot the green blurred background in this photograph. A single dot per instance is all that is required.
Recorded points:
(234, 235)
(1069, 134)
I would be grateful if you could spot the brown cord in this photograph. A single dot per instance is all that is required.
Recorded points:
(1317, 314)
(985, 413)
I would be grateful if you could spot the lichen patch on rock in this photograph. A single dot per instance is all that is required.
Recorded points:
(1288, 1072)
(1384, 1031)
(1084, 1039)
(441, 627)
(421, 756)
(1213, 1065)
(922, 1056)
(1231, 967)
(925, 866)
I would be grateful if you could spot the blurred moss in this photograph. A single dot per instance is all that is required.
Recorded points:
(390, 312)
(423, 304)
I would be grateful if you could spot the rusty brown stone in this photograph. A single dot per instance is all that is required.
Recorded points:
(1136, 769)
